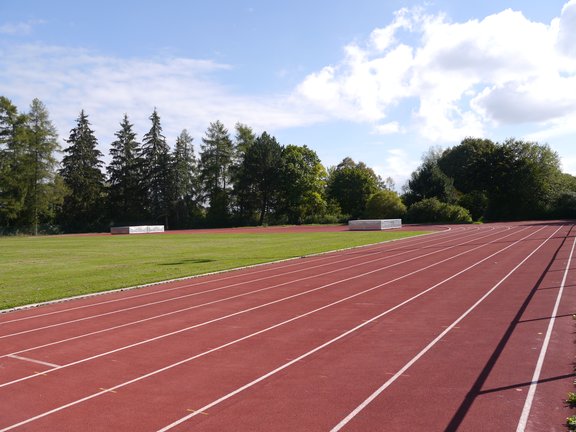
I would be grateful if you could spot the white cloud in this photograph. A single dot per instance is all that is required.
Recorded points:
(387, 128)
(185, 92)
(461, 79)
(20, 28)
(398, 164)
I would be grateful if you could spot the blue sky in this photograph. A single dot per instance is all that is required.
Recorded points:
(379, 81)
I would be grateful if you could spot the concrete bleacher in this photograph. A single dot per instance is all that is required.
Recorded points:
(374, 224)
(137, 229)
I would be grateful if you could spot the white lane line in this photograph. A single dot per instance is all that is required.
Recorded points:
(220, 300)
(271, 303)
(34, 361)
(171, 299)
(286, 365)
(522, 423)
(268, 267)
(407, 366)
(181, 362)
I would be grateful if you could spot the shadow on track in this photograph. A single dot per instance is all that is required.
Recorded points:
(476, 389)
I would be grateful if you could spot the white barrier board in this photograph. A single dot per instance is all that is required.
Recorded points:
(374, 224)
(137, 229)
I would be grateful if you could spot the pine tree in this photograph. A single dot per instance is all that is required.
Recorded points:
(30, 189)
(156, 172)
(125, 195)
(215, 161)
(83, 208)
(12, 178)
(184, 179)
(42, 143)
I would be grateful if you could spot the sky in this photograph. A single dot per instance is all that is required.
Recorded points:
(380, 81)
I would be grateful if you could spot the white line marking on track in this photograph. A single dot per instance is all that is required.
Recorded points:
(17, 357)
(427, 348)
(291, 262)
(523, 421)
(236, 296)
(398, 374)
(171, 299)
(281, 300)
(206, 407)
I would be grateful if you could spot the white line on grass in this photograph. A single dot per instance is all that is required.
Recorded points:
(181, 362)
(534, 383)
(407, 366)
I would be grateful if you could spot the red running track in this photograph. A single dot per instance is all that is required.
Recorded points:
(464, 330)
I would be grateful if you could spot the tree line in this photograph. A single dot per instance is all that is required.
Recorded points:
(249, 179)
(245, 179)
(512, 180)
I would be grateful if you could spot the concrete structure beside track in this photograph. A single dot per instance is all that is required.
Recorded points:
(137, 229)
(374, 224)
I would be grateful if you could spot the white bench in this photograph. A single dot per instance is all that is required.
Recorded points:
(137, 229)
(374, 224)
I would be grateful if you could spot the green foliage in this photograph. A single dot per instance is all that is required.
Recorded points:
(126, 196)
(571, 423)
(302, 183)
(259, 174)
(351, 184)
(429, 181)
(431, 210)
(469, 164)
(81, 170)
(156, 173)
(525, 176)
(571, 400)
(385, 204)
(476, 202)
(216, 157)
(185, 181)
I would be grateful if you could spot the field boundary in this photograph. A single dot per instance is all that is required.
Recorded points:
(184, 278)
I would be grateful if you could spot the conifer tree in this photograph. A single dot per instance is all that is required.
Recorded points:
(83, 208)
(125, 195)
(12, 180)
(215, 161)
(156, 172)
(184, 179)
(44, 192)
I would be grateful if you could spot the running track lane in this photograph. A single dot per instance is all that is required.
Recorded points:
(315, 391)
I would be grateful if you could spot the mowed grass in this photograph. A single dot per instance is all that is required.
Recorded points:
(38, 269)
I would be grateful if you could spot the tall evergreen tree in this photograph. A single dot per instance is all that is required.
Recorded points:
(83, 208)
(125, 195)
(215, 161)
(12, 175)
(156, 172)
(241, 196)
(42, 144)
(184, 179)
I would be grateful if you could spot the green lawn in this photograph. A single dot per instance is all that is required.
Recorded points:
(37, 269)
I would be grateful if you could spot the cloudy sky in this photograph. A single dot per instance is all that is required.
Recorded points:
(379, 81)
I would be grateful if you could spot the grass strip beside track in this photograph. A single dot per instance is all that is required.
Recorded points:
(38, 269)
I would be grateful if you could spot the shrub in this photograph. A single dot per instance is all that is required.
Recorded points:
(385, 204)
(431, 210)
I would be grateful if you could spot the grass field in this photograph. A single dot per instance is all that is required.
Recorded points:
(37, 269)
